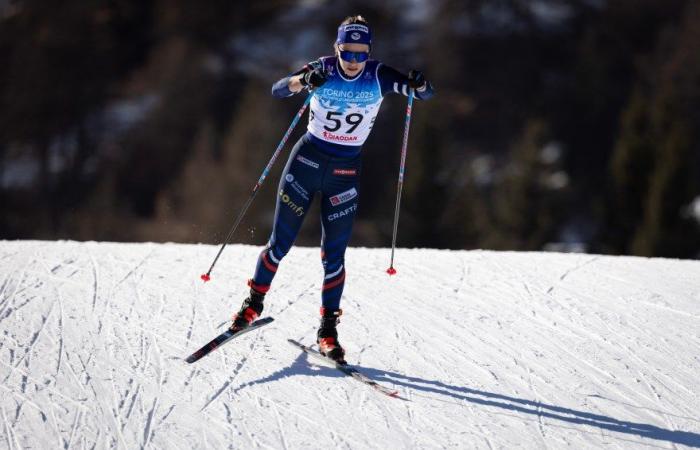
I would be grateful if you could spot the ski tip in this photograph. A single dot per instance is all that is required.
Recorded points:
(398, 397)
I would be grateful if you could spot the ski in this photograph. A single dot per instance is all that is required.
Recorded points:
(224, 338)
(347, 370)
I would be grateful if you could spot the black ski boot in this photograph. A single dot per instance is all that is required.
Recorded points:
(250, 310)
(327, 336)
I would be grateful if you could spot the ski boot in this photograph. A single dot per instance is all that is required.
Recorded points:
(250, 310)
(327, 336)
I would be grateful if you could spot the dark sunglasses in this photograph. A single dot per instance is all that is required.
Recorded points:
(357, 56)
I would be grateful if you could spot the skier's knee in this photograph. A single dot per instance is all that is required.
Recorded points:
(332, 270)
(276, 254)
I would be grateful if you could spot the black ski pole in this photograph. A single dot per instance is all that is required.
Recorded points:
(207, 276)
(404, 149)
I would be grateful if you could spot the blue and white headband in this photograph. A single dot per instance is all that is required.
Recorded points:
(354, 33)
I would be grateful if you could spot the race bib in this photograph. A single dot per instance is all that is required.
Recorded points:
(342, 110)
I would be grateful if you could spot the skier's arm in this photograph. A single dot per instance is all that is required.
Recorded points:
(310, 75)
(289, 85)
(391, 80)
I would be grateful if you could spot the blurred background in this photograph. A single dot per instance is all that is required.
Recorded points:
(570, 125)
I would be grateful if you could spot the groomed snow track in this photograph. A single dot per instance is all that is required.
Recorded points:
(490, 349)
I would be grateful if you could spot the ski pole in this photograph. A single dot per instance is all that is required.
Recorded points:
(207, 276)
(404, 147)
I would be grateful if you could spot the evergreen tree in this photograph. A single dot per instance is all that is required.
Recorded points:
(656, 164)
(528, 202)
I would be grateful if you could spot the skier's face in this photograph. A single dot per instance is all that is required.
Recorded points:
(352, 67)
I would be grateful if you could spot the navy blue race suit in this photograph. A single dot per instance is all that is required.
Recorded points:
(327, 161)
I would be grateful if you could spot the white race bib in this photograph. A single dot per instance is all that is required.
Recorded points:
(343, 110)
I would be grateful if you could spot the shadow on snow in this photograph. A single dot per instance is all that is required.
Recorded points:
(301, 367)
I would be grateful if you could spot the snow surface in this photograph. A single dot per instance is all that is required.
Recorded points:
(490, 349)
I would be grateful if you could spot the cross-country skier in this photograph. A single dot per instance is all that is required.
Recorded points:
(348, 89)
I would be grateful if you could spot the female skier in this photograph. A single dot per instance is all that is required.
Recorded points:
(348, 89)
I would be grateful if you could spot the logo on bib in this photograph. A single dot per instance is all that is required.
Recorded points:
(343, 197)
(355, 36)
(338, 137)
(289, 178)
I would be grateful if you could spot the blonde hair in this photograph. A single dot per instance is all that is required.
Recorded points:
(355, 19)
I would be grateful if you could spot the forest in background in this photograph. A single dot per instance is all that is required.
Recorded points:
(556, 125)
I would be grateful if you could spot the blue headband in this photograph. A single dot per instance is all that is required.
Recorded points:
(354, 33)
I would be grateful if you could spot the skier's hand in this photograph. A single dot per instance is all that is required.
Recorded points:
(314, 78)
(416, 79)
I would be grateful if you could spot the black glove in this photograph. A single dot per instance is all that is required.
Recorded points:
(416, 79)
(314, 78)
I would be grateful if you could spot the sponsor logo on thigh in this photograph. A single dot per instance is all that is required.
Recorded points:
(299, 210)
(343, 213)
(343, 197)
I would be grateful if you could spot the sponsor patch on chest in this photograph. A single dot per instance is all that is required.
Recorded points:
(345, 172)
(343, 197)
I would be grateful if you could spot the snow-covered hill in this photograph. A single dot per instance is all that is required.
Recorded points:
(490, 349)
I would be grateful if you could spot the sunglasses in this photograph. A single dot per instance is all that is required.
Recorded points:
(357, 56)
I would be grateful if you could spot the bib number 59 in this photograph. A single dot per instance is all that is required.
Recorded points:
(353, 120)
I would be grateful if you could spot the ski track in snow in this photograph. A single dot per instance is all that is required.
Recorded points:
(490, 350)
